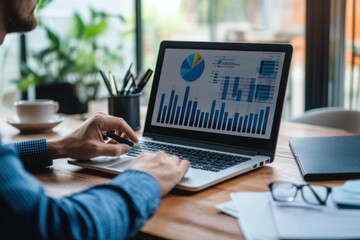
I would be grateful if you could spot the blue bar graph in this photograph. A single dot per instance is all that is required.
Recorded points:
(267, 67)
(224, 121)
(260, 122)
(193, 112)
(235, 90)
(173, 109)
(186, 120)
(221, 115)
(188, 112)
(245, 123)
(265, 120)
(250, 122)
(170, 106)
(262, 92)
(238, 95)
(240, 124)
(255, 122)
(228, 128)
(235, 122)
(197, 118)
(201, 119)
(177, 115)
(206, 118)
(184, 105)
(215, 119)
(225, 88)
(161, 107)
(163, 115)
(251, 90)
(212, 112)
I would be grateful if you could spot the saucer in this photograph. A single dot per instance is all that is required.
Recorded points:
(35, 127)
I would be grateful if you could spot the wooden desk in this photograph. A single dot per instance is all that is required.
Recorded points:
(181, 215)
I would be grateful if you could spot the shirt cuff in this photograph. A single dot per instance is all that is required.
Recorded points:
(33, 153)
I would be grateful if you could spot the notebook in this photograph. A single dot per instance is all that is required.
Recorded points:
(216, 104)
(327, 158)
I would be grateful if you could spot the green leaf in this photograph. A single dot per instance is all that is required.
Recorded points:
(24, 83)
(26, 70)
(42, 4)
(77, 26)
(53, 37)
(94, 30)
(45, 52)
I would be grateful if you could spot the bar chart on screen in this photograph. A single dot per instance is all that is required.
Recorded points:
(257, 88)
(186, 112)
(217, 92)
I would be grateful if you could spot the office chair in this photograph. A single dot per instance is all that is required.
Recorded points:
(334, 117)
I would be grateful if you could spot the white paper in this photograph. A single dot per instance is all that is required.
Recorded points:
(255, 215)
(262, 218)
(301, 220)
(229, 208)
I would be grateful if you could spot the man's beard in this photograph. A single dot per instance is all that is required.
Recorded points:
(14, 21)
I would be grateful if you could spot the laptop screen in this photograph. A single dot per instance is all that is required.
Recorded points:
(223, 89)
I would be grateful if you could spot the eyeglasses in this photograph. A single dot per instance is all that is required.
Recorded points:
(287, 192)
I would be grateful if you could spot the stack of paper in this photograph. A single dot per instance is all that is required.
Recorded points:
(262, 218)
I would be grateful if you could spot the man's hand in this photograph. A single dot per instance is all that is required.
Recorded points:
(168, 170)
(88, 142)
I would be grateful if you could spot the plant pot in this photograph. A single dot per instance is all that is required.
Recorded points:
(65, 94)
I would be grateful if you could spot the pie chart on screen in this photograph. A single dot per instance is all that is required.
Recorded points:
(192, 67)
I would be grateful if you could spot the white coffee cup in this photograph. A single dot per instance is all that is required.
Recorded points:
(36, 111)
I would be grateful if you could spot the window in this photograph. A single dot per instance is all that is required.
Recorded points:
(352, 55)
(57, 16)
(236, 20)
(214, 20)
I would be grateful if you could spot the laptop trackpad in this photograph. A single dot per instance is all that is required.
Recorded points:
(121, 165)
(108, 164)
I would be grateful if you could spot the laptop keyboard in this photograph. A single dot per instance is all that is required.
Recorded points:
(199, 159)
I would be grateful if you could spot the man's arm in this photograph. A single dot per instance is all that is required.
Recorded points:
(33, 153)
(101, 212)
(113, 211)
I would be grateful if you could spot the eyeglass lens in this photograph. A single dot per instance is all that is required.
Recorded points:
(314, 194)
(285, 192)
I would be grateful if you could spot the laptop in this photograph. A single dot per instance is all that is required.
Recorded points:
(216, 104)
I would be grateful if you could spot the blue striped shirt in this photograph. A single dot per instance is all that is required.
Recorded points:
(116, 210)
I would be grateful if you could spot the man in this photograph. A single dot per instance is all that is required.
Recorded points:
(116, 210)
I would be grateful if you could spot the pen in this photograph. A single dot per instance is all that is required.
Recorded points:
(133, 79)
(106, 81)
(130, 84)
(119, 139)
(116, 85)
(126, 78)
(112, 84)
(143, 81)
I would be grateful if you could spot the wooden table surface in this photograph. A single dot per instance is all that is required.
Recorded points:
(181, 215)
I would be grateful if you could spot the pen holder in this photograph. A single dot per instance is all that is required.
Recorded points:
(126, 107)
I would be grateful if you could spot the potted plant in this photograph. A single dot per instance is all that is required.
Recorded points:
(66, 70)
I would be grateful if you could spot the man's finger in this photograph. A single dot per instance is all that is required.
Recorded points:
(184, 166)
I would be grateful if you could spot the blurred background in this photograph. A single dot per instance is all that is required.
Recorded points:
(113, 34)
